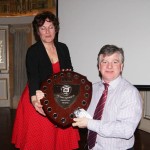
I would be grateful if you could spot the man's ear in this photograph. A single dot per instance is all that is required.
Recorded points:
(122, 65)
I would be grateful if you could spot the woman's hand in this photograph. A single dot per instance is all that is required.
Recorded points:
(39, 95)
(36, 102)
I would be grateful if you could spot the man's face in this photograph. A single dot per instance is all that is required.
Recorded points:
(110, 66)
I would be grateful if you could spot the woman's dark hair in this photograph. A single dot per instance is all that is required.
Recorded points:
(40, 18)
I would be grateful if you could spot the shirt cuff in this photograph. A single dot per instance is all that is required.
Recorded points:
(94, 125)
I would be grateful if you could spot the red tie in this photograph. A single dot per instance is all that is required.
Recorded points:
(97, 116)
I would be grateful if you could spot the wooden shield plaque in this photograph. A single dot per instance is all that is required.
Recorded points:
(65, 92)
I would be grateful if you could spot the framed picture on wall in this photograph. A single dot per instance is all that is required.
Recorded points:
(4, 49)
(25, 7)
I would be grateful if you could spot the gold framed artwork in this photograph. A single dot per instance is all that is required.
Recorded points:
(24, 7)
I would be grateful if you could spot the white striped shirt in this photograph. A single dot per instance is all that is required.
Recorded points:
(121, 115)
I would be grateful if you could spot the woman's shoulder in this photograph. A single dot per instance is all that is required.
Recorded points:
(60, 44)
(34, 51)
(35, 47)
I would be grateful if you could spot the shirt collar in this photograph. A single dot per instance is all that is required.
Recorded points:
(114, 83)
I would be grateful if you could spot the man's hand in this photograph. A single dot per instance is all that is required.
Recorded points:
(80, 122)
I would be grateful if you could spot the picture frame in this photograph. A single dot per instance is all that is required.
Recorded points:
(4, 49)
(25, 7)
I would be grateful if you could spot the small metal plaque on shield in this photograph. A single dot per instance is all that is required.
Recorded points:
(65, 92)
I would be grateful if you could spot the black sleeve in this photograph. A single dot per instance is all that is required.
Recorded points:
(64, 57)
(32, 71)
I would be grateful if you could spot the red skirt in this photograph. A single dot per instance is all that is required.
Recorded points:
(33, 131)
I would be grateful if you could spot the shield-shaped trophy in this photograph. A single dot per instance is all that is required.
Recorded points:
(65, 92)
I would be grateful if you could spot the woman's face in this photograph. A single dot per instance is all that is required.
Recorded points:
(47, 32)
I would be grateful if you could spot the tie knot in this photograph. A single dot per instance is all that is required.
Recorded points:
(106, 85)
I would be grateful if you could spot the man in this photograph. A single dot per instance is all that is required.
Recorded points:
(121, 113)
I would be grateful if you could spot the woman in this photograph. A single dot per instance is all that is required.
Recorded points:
(32, 130)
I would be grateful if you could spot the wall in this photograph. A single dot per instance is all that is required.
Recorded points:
(85, 26)
(20, 37)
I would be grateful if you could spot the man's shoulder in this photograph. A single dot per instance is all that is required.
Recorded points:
(128, 85)
(96, 85)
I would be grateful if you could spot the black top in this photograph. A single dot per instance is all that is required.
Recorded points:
(39, 66)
